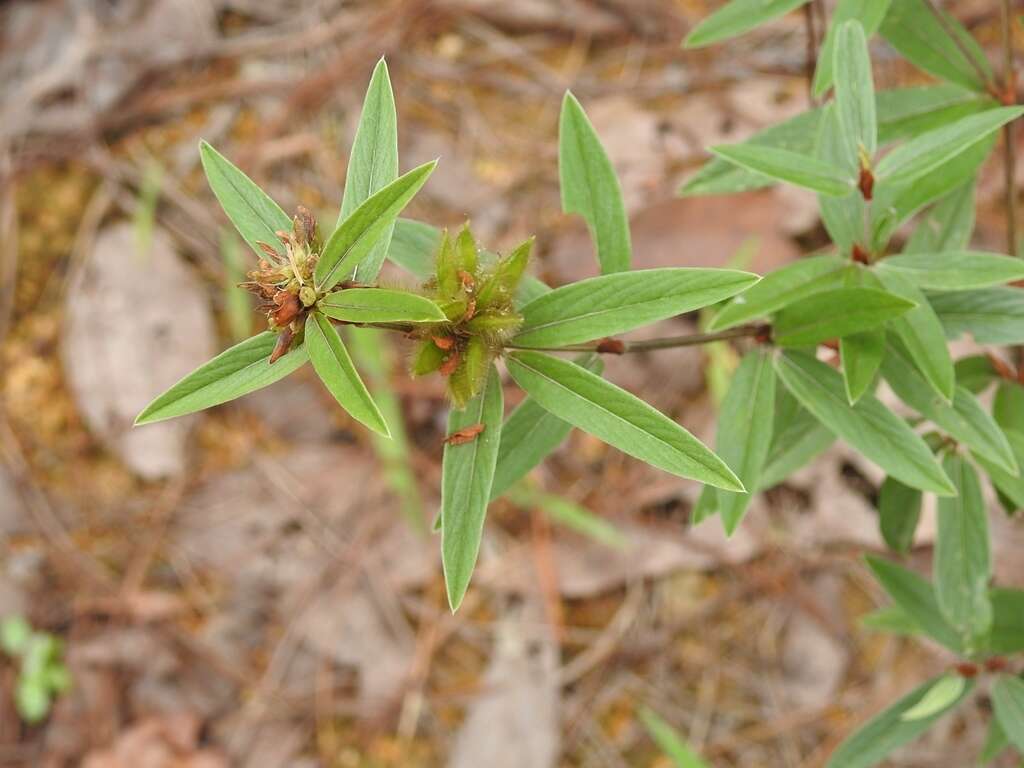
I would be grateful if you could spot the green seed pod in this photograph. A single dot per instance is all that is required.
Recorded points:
(467, 379)
(448, 283)
(307, 295)
(495, 327)
(466, 251)
(428, 358)
(499, 287)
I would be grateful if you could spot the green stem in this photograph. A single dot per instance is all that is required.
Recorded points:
(669, 342)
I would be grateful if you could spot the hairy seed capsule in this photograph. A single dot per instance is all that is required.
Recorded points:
(307, 295)
(428, 359)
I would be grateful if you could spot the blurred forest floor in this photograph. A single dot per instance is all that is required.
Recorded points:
(244, 587)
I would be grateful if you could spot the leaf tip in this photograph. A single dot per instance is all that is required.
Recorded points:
(456, 593)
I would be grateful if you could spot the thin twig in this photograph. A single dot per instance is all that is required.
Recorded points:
(669, 342)
(812, 49)
(1009, 150)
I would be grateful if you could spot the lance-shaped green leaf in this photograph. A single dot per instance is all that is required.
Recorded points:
(945, 692)
(737, 17)
(237, 371)
(990, 315)
(745, 431)
(955, 270)
(797, 437)
(610, 304)
(781, 288)
(907, 112)
(622, 420)
(357, 235)
(1008, 703)
(1009, 484)
(869, 13)
(467, 472)
(781, 164)
(855, 91)
(965, 419)
(913, 30)
(372, 163)
(975, 373)
(861, 354)
(719, 176)
(995, 742)
(590, 187)
(380, 305)
(899, 510)
(1007, 633)
(901, 113)
(834, 314)
(963, 563)
(530, 434)
(844, 217)
(868, 426)
(706, 506)
(568, 514)
(930, 151)
(895, 204)
(256, 217)
(414, 247)
(922, 335)
(947, 225)
(916, 597)
(892, 620)
(669, 741)
(333, 365)
(886, 732)
(1008, 406)
(375, 356)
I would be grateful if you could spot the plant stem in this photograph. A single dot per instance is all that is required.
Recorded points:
(609, 346)
(1009, 150)
(669, 342)
(812, 49)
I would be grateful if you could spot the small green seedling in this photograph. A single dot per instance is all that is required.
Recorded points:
(41, 672)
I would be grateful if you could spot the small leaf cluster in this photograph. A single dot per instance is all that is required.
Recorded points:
(41, 672)
(478, 302)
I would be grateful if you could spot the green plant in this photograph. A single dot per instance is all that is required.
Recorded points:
(41, 671)
(669, 740)
(881, 163)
